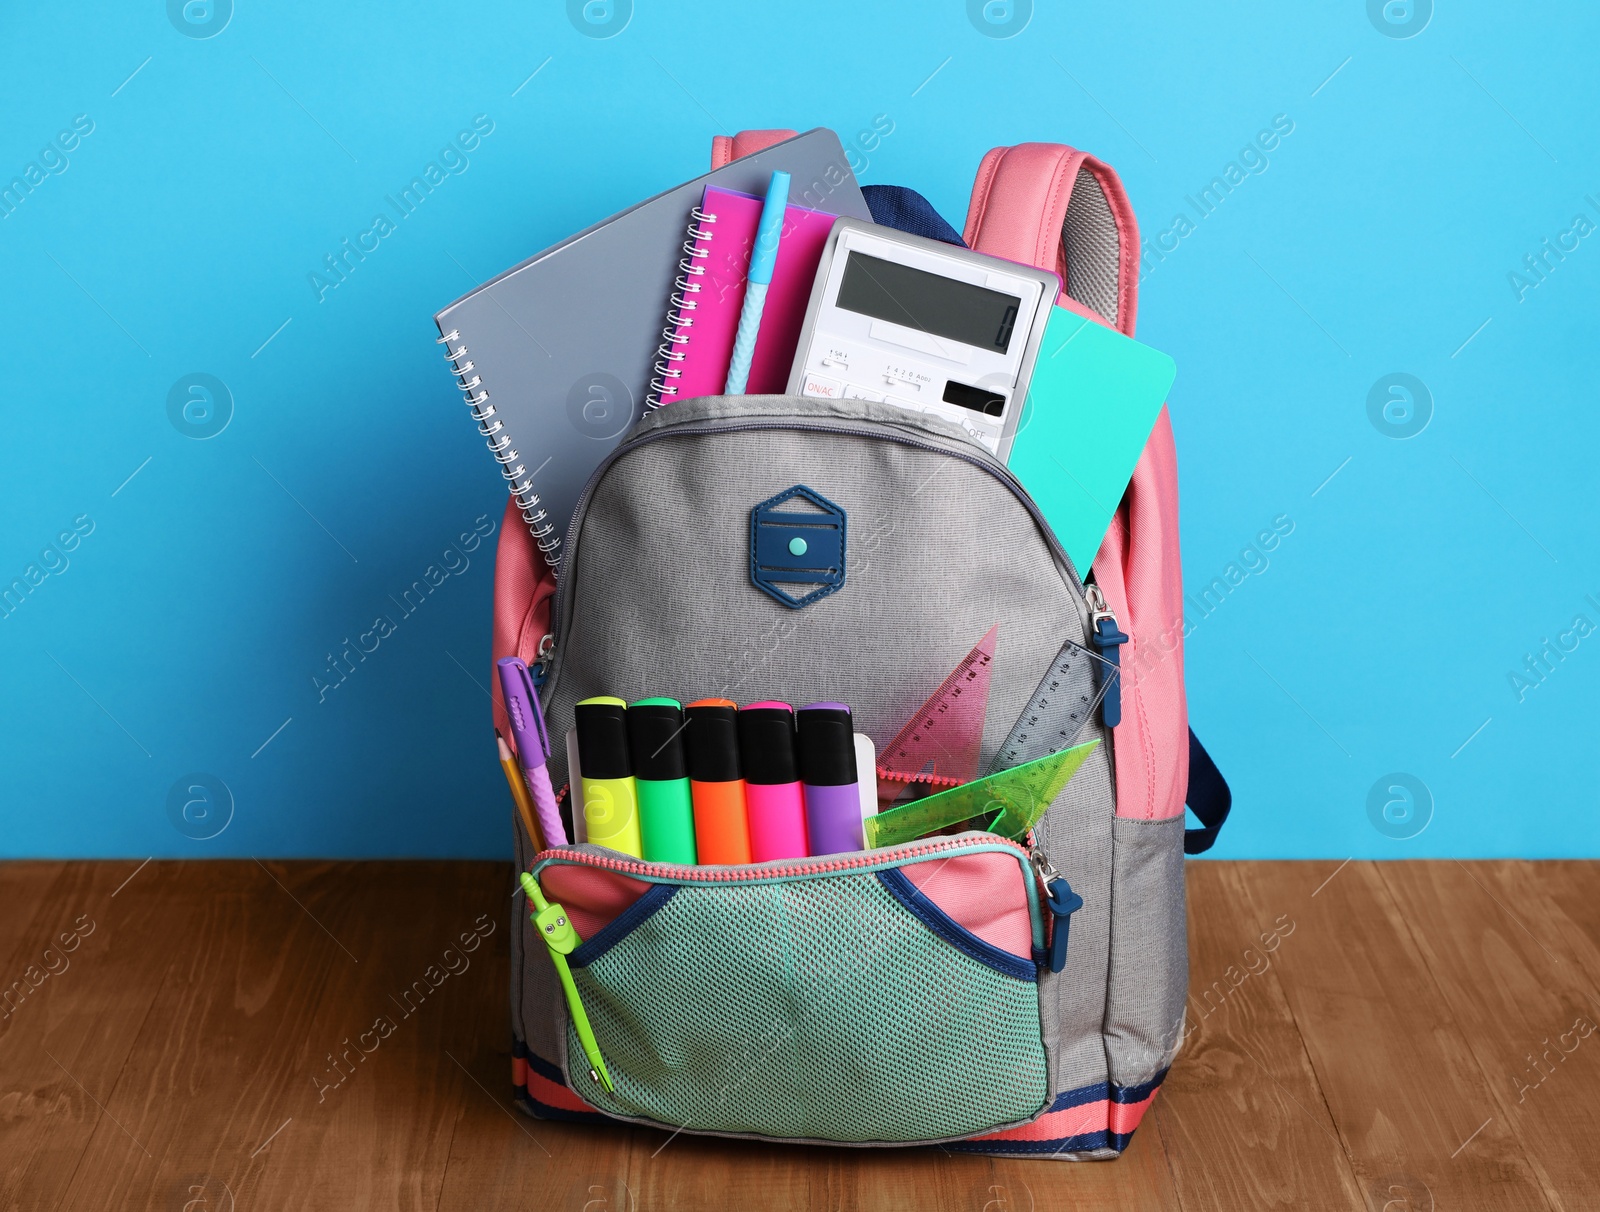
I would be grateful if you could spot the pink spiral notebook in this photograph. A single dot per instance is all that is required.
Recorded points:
(693, 360)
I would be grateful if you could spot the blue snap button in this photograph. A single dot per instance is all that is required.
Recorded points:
(797, 553)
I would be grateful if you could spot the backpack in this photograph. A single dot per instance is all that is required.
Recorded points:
(909, 995)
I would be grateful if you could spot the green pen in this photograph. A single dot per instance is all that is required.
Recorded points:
(562, 938)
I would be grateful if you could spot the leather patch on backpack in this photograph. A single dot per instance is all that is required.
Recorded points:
(797, 553)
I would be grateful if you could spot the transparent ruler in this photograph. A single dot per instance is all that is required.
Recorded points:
(1063, 703)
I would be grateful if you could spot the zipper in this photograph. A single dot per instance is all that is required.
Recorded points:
(564, 589)
(541, 667)
(1108, 640)
(552, 920)
(587, 855)
(1061, 901)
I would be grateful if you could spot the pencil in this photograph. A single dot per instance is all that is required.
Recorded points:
(519, 790)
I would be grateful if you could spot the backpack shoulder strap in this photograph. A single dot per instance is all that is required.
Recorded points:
(745, 143)
(1053, 206)
(1043, 204)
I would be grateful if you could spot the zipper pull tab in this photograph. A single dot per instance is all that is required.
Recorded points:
(1062, 902)
(540, 670)
(1108, 640)
(561, 937)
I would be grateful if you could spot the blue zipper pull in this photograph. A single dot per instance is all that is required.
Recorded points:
(1062, 902)
(1108, 640)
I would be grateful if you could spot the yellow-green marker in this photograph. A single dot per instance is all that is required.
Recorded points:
(1016, 799)
(610, 799)
(562, 938)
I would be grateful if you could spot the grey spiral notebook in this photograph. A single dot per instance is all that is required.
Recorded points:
(555, 356)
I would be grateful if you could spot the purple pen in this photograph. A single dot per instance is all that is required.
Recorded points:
(827, 759)
(533, 744)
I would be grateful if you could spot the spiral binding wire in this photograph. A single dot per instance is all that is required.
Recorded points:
(518, 481)
(680, 312)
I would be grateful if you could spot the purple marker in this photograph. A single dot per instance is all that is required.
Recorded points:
(827, 759)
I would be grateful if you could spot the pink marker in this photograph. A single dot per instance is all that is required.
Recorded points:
(774, 799)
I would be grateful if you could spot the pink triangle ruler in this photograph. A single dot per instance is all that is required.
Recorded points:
(940, 745)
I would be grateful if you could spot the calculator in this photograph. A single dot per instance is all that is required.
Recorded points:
(924, 325)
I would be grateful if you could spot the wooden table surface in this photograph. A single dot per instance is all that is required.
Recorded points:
(1416, 1036)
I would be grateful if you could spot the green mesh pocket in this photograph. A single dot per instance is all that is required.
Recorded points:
(821, 1009)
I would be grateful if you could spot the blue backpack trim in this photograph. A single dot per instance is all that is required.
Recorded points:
(619, 927)
(1209, 798)
(899, 886)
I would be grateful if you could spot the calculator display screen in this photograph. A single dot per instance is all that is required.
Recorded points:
(928, 302)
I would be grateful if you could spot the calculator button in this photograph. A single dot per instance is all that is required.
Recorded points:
(852, 392)
(820, 387)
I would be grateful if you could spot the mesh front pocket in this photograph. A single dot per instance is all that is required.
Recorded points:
(840, 1009)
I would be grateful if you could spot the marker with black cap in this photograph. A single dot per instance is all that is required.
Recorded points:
(774, 801)
(610, 800)
(827, 754)
(716, 783)
(661, 778)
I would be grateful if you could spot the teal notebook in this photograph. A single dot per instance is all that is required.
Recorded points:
(1093, 400)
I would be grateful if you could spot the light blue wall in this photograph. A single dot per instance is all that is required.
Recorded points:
(182, 634)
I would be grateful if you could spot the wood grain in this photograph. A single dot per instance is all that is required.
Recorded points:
(25, 886)
(180, 1060)
(1389, 1053)
(63, 1048)
(247, 987)
(1243, 1062)
(1523, 1008)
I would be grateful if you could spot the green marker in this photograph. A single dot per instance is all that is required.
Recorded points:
(661, 781)
(562, 939)
(1017, 797)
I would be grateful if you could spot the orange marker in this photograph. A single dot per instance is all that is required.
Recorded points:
(716, 786)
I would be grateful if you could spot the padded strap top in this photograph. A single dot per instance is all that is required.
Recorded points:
(1053, 206)
(745, 143)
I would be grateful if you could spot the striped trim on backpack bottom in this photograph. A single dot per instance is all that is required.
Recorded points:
(1100, 1116)
(542, 1091)
(1095, 1117)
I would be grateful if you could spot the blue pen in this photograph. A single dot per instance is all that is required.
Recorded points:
(763, 257)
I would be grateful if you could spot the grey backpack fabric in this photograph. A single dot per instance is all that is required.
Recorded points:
(656, 597)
